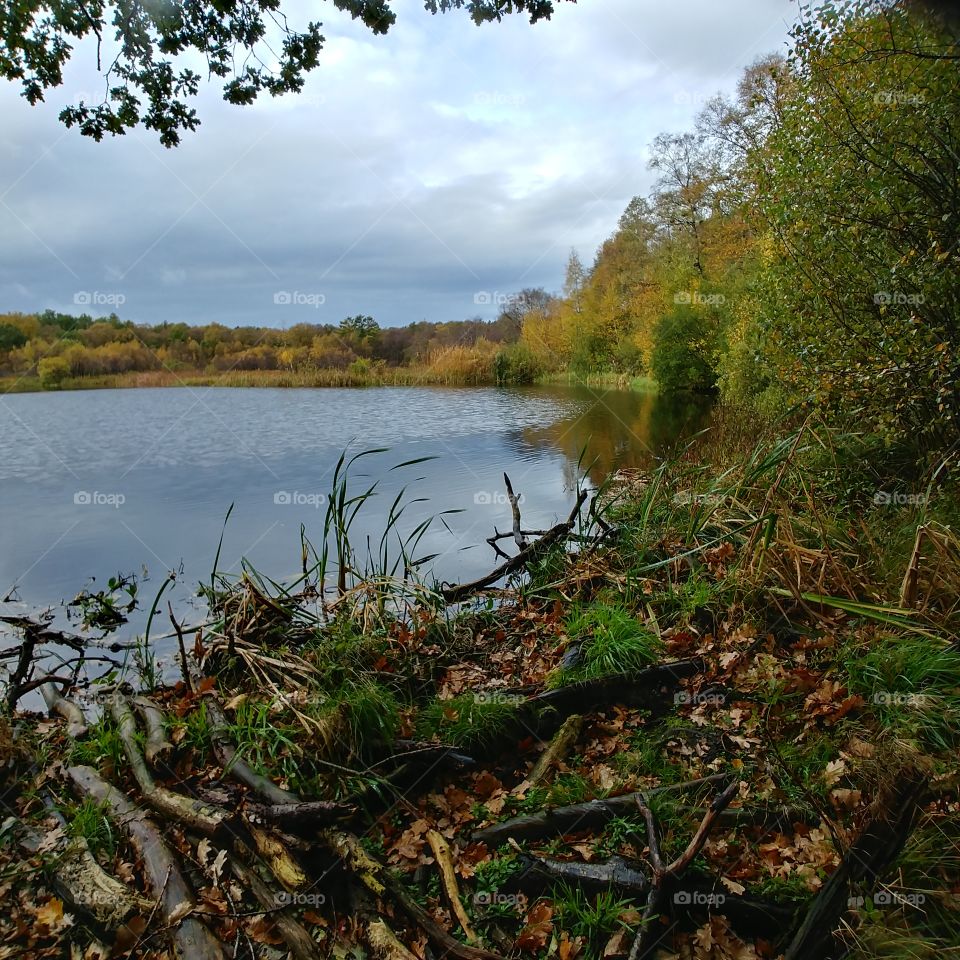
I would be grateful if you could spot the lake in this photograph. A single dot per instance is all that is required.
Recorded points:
(97, 483)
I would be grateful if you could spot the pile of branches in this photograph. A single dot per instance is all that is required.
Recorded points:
(215, 850)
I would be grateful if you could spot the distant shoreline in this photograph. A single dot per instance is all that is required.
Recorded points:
(327, 377)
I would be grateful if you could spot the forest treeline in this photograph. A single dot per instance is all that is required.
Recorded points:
(800, 245)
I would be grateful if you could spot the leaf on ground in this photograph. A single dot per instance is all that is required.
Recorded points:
(539, 927)
(716, 941)
(50, 916)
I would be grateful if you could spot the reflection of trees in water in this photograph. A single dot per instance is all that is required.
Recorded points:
(619, 428)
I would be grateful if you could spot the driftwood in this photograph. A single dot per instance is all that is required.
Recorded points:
(81, 882)
(444, 859)
(190, 937)
(562, 743)
(56, 703)
(156, 746)
(518, 536)
(201, 817)
(24, 662)
(459, 592)
(868, 857)
(580, 816)
(380, 882)
(298, 940)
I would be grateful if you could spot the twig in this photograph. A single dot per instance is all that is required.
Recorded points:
(441, 853)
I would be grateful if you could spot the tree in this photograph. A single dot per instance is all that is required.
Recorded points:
(11, 337)
(52, 372)
(682, 352)
(574, 278)
(361, 328)
(862, 296)
(148, 50)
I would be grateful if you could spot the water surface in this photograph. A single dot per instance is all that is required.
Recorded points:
(97, 483)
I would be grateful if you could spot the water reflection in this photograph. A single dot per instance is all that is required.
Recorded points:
(616, 428)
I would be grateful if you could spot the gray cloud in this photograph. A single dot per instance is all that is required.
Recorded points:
(415, 170)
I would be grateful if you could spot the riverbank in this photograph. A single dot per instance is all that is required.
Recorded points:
(732, 682)
(374, 376)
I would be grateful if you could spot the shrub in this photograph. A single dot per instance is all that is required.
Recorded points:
(52, 372)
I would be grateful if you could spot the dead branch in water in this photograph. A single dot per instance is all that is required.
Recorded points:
(457, 593)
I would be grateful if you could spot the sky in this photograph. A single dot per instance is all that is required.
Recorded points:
(422, 175)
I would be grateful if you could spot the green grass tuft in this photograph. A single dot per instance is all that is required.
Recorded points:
(612, 642)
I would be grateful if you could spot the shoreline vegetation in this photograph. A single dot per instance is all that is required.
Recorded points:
(366, 377)
(723, 693)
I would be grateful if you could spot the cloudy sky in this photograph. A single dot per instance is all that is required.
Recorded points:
(418, 175)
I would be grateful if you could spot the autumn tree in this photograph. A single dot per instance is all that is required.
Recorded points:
(863, 200)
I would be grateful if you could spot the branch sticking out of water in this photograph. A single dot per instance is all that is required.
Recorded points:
(560, 532)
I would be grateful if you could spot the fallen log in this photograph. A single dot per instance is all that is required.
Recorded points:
(156, 746)
(207, 819)
(868, 857)
(232, 764)
(429, 754)
(648, 688)
(580, 816)
(300, 817)
(386, 944)
(58, 704)
(448, 877)
(199, 816)
(543, 714)
(696, 895)
(562, 743)
(190, 937)
(537, 875)
(298, 940)
(81, 882)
